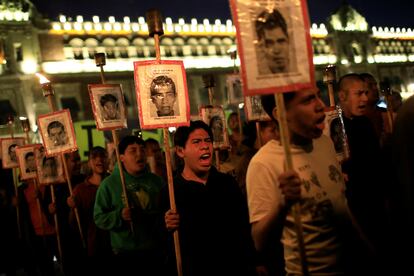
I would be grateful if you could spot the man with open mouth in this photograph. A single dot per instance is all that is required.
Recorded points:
(211, 214)
(315, 182)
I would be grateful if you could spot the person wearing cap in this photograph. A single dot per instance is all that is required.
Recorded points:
(137, 249)
(83, 198)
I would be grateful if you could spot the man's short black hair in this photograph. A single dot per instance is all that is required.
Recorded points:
(151, 141)
(55, 124)
(350, 76)
(269, 102)
(183, 132)
(161, 81)
(97, 151)
(270, 20)
(12, 146)
(366, 76)
(129, 140)
(108, 98)
(29, 154)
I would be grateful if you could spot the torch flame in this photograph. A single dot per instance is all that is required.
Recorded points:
(42, 79)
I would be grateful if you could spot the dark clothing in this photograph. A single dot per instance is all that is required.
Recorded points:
(214, 227)
(365, 186)
(97, 240)
(402, 187)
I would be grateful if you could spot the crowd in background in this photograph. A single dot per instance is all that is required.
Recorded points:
(357, 215)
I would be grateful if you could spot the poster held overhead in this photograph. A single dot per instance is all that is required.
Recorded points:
(57, 132)
(108, 106)
(161, 92)
(8, 150)
(274, 45)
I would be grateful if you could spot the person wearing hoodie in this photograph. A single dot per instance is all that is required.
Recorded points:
(137, 249)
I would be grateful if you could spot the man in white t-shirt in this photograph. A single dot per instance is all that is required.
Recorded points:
(316, 182)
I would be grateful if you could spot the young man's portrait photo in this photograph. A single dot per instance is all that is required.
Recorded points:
(234, 89)
(57, 132)
(27, 161)
(161, 92)
(254, 109)
(8, 149)
(214, 117)
(273, 48)
(163, 96)
(108, 106)
(49, 168)
(274, 45)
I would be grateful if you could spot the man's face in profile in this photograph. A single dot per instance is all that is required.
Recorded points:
(110, 110)
(164, 100)
(58, 136)
(275, 45)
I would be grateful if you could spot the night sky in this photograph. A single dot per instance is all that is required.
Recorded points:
(377, 12)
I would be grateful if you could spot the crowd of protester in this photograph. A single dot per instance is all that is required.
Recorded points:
(356, 215)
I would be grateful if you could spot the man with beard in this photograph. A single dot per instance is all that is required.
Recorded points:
(315, 182)
(211, 214)
(137, 250)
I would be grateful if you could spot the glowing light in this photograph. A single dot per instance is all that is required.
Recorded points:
(111, 19)
(241, 105)
(95, 19)
(42, 79)
(62, 18)
(29, 66)
(127, 20)
(141, 20)
(79, 18)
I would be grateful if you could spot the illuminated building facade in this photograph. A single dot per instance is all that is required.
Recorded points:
(64, 51)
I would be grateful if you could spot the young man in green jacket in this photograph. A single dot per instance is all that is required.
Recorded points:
(137, 250)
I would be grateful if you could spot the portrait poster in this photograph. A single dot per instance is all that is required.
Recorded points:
(8, 152)
(27, 161)
(108, 106)
(273, 39)
(161, 92)
(234, 89)
(335, 129)
(254, 109)
(49, 168)
(57, 132)
(215, 118)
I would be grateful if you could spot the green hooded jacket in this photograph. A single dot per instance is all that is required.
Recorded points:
(143, 194)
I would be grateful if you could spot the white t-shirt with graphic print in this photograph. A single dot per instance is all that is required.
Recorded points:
(323, 203)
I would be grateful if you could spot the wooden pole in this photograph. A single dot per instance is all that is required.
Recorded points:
(284, 138)
(390, 116)
(57, 227)
(15, 184)
(154, 21)
(329, 77)
(100, 61)
(258, 135)
(49, 94)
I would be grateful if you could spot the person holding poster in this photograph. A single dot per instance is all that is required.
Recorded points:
(211, 214)
(316, 183)
(273, 38)
(137, 251)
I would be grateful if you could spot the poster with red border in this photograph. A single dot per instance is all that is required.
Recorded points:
(274, 44)
(161, 92)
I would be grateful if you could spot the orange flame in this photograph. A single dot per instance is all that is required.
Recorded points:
(42, 79)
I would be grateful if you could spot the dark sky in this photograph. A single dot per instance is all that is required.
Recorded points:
(377, 12)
